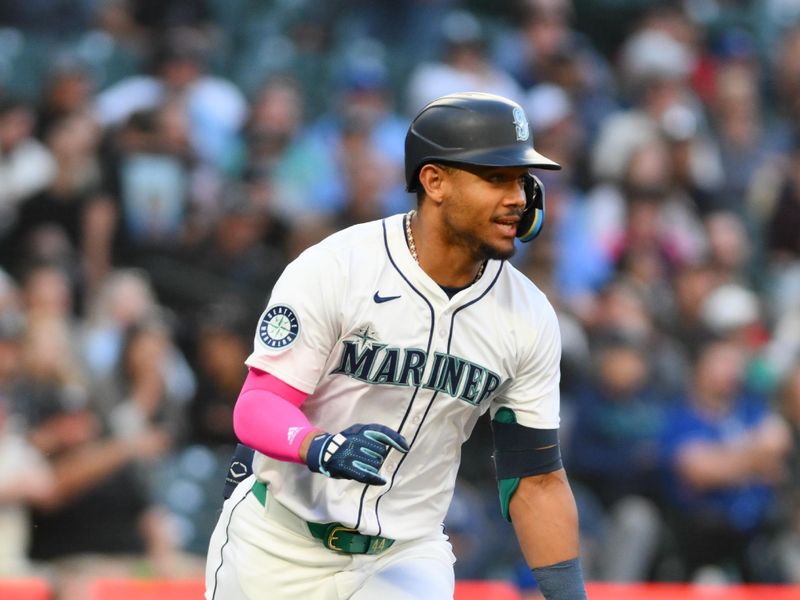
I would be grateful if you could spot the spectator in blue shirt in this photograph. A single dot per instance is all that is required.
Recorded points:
(724, 453)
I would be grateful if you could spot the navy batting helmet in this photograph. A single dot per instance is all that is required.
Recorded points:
(471, 129)
(478, 129)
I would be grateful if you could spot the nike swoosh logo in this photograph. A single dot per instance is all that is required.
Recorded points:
(380, 299)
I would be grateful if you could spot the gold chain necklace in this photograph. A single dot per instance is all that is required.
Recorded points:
(413, 247)
(410, 237)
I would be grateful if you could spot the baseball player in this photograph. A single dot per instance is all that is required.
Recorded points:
(378, 350)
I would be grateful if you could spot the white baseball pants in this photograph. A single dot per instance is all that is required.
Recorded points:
(267, 553)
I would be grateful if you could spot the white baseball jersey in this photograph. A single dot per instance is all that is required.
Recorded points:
(356, 323)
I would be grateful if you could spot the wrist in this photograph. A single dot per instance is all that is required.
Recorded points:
(303, 449)
(561, 581)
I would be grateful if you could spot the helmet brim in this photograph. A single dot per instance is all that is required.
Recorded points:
(504, 157)
(496, 157)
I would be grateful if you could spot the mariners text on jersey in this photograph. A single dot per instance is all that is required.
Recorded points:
(379, 364)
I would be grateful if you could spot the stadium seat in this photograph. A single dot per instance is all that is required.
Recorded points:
(25, 589)
(141, 589)
(485, 590)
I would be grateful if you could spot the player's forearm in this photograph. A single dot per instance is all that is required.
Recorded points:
(545, 519)
(267, 418)
(546, 522)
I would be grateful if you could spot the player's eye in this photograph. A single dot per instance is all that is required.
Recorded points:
(499, 177)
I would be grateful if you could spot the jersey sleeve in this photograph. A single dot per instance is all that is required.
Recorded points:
(533, 394)
(299, 327)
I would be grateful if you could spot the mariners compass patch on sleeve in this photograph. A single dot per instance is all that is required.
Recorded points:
(278, 327)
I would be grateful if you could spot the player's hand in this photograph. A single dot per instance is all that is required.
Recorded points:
(356, 453)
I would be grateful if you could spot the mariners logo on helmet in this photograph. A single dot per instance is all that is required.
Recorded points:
(278, 327)
(521, 123)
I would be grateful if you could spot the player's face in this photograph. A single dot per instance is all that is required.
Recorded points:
(483, 209)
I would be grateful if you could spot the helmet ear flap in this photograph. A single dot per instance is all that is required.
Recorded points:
(532, 219)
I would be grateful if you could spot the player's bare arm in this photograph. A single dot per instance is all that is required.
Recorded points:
(536, 497)
(545, 519)
(551, 540)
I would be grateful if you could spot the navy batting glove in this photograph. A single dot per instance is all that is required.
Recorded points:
(356, 453)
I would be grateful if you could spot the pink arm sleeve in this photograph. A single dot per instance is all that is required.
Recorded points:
(267, 416)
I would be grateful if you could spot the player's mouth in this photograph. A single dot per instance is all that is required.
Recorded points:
(507, 225)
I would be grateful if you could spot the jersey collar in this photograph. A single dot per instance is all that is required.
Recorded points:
(398, 251)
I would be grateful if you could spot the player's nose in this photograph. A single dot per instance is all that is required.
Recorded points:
(515, 195)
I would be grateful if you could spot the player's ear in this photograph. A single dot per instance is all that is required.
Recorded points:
(434, 179)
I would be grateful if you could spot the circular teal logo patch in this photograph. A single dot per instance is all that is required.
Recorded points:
(279, 327)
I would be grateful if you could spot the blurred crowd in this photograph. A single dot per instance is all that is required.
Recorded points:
(161, 162)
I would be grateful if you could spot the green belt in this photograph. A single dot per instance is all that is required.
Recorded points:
(336, 536)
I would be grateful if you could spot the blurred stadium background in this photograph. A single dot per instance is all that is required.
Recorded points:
(161, 161)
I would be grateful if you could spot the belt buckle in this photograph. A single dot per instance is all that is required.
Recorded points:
(334, 535)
